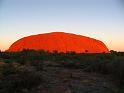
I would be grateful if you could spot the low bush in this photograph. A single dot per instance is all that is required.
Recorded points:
(13, 77)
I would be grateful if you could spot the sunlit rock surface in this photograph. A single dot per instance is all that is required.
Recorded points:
(61, 42)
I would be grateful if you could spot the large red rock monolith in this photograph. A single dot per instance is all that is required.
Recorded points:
(61, 42)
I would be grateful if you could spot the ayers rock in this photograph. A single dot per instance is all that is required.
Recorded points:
(61, 42)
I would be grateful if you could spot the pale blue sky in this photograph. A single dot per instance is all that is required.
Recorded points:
(100, 19)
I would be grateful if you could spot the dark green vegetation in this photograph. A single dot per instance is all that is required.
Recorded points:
(23, 72)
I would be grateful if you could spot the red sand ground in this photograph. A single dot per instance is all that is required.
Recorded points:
(61, 42)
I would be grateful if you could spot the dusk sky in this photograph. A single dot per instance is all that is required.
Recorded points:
(100, 19)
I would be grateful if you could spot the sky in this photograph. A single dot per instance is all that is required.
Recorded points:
(99, 19)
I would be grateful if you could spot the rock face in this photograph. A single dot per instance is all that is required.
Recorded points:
(61, 42)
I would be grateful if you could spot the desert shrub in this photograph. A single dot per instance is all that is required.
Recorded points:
(121, 90)
(15, 78)
(118, 70)
(37, 64)
(109, 64)
(9, 68)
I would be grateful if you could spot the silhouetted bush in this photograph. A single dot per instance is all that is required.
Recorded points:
(118, 70)
(18, 67)
(14, 78)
